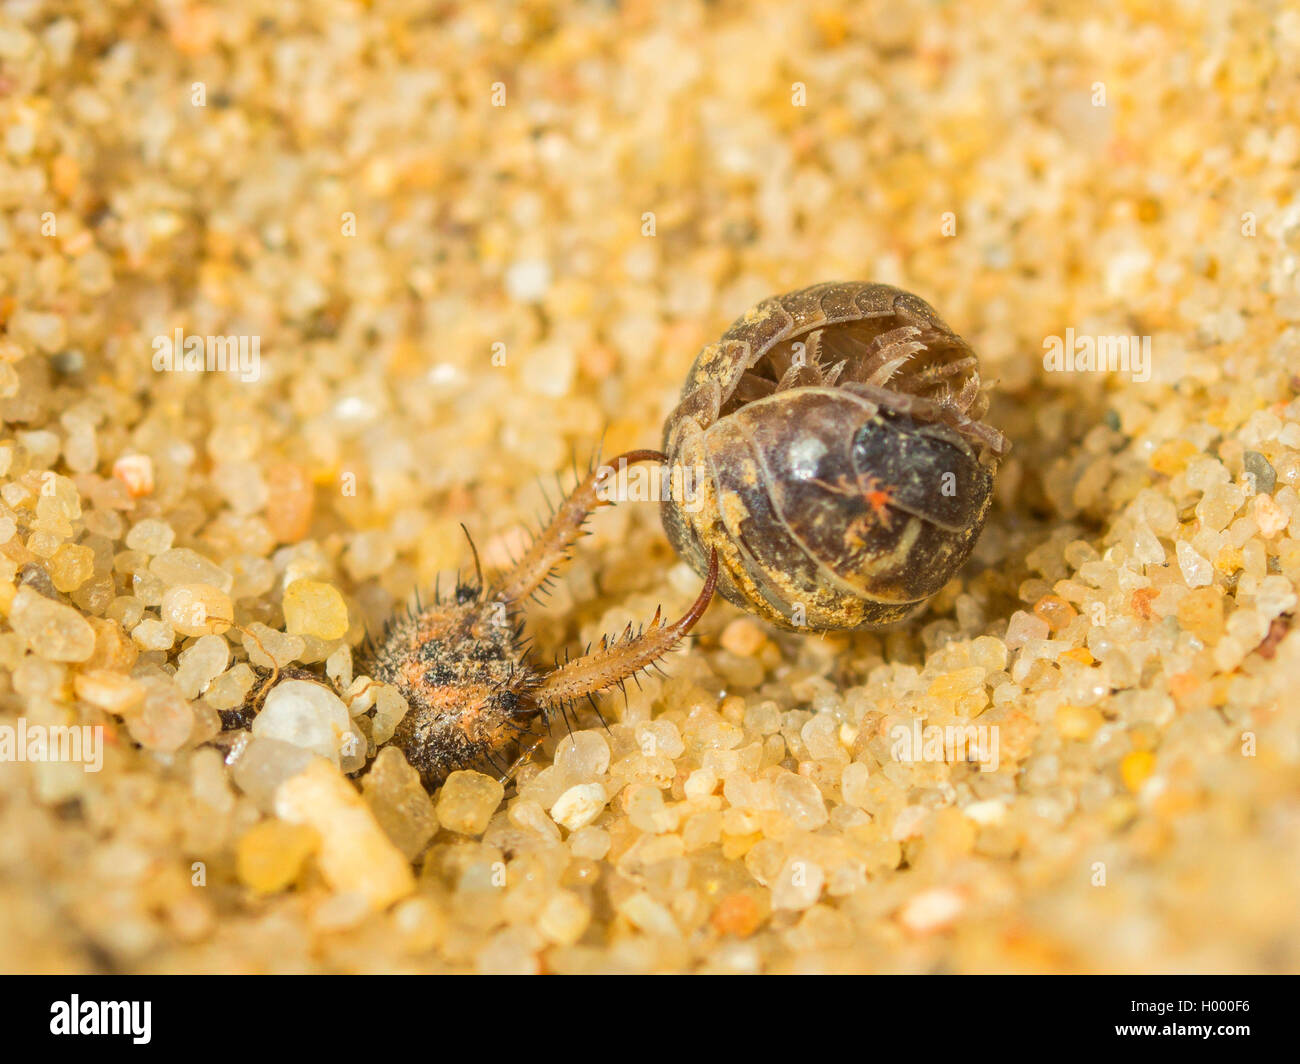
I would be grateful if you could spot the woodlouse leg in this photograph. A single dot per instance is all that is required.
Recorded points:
(813, 347)
(931, 410)
(932, 375)
(899, 402)
(619, 659)
(968, 394)
(552, 544)
(752, 387)
(810, 371)
(996, 441)
(806, 376)
(887, 353)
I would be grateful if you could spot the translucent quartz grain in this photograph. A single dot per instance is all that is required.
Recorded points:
(797, 885)
(229, 690)
(743, 637)
(659, 737)
(338, 668)
(315, 608)
(1023, 627)
(583, 755)
(53, 630)
(270, 855)
(180, 565)
(399, 802)
(1275, 595)
(355, 855)
(467, 801)
(200, 663)
(1270, 518)
(164, 720)
(799, 800)
(528, 814)
(71, 566)
(150, 536)
(290, 498)
(259, 766)
(579, 805)
(563, 918)
(1196, 570)
(270, 649)
(591, 843)
(390, 707)
(110, 691)
(196, 609)
(306, 714)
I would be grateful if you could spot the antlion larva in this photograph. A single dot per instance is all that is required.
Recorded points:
(842, 469)
(462, 664)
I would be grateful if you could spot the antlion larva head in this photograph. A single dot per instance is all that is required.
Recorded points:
(832, 452)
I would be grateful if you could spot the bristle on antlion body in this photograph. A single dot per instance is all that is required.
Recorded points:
(463, 666)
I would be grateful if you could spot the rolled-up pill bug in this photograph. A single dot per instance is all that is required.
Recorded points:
(830, 447)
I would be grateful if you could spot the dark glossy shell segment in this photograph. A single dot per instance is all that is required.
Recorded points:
(904, 454)
(846, 474)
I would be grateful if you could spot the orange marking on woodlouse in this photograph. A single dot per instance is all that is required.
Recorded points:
(879, 496)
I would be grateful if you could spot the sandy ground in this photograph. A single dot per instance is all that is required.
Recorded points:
(466, 240)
